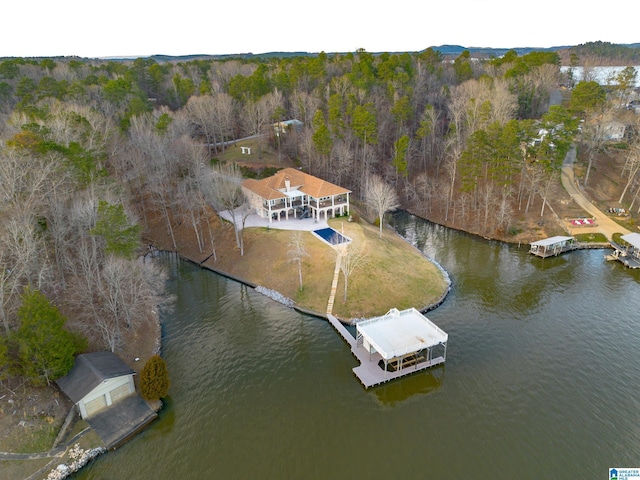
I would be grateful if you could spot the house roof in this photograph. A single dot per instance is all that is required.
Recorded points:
(260, 188)
(269, 188)
(398, 333)
(290, 122)
(89, 371)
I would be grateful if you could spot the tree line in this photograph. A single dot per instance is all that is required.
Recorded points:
(92, 150)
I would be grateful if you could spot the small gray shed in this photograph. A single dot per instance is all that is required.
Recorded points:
(96, 381)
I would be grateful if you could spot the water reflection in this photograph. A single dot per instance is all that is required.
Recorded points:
(412, 387)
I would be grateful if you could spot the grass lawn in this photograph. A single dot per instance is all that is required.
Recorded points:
(591, 238)
(16, 469)
(392, 274)
(36, 436)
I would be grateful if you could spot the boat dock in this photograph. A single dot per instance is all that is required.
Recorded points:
(553, 246)
(369, 372)
(629, 254)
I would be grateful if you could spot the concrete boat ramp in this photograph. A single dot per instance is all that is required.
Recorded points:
(369, 372)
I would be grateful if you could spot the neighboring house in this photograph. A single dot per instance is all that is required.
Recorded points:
(96, 381)
(634, 106)
(295, 193)
(287, 126)
(614, 131)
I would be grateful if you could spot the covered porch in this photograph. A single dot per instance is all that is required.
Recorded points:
(294, 203)
(335, 205)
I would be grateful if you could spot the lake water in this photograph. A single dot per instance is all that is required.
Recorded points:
(541, 379)
(602, 74)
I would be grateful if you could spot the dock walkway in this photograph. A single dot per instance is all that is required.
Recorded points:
(334, 283)
(369, 373)
(624, 255)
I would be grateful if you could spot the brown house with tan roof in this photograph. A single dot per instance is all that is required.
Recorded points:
(292, 192)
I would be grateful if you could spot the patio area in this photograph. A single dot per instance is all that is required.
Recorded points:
(254, 220)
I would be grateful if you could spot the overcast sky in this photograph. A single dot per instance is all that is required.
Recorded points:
(141, 27)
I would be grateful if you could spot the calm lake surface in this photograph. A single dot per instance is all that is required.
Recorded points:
(541, 380)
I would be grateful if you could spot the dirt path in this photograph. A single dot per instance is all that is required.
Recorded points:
(604, 224)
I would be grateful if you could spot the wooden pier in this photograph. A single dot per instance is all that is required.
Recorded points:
(369, 372)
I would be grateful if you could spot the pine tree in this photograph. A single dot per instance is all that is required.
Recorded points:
(121, 237)
(154, 379)
(46, 351)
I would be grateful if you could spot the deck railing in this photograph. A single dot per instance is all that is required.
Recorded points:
(328, 203)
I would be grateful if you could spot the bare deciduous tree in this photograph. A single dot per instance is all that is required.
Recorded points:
(225, 193)
(632, 165)
(160, 166)
(201, 113)
(350, 259)
(224, 117)
(594, 133)
(380, 197)
(297, 252)
(116, 297)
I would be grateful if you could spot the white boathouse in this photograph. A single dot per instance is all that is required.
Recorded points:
(550, 247)
(393, 345)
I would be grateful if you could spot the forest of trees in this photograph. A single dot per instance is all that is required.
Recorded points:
(90, 150)
(606, 53)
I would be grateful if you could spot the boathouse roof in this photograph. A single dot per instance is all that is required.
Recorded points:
(89, 371)
(398, 333)
(632, 239)
(551, 241)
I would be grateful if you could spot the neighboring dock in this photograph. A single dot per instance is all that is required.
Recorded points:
(414, 357)
(629, 254)
(553, 246)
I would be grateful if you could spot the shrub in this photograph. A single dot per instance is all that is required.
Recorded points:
(154, 379)
(513, 231)
(46, 350)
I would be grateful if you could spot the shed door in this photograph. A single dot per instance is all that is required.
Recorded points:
(96, 405)
(119, 392)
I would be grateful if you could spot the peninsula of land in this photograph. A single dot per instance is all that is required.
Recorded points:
(391, 273)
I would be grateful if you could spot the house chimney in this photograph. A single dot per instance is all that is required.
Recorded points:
(287, 184)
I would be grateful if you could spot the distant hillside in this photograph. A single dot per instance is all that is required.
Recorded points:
(488, 52)
(605, 53)
(187, 58)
